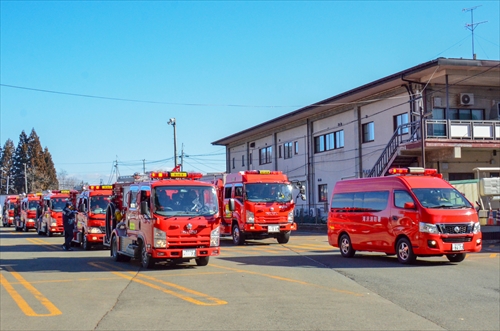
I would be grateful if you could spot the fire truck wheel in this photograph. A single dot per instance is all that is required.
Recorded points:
(405, 252)
(345, 246)
(85, 243)
(459, 257)
(283, 237)
(114, 252)
(202, 261)
(146, 260)
(238, 237)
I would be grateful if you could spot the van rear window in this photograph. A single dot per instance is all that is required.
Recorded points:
(360, 201)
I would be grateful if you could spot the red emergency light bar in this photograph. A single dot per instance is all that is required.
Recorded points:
(263, 172)
(100, 187)
(415, 171)
(172, 174)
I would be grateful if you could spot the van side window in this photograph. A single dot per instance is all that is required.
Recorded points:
(227, 192)
(360, 201)
(402, 197)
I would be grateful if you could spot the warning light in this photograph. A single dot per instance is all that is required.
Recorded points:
(176, 175)
(415, 171)
(100, 187)
(262, 172)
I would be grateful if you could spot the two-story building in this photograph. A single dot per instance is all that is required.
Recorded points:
(443, 114)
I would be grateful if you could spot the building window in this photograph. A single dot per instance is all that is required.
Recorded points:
(323, 193)
(250, 158)
(265, 155)
(243, 160)
(368, 132)
(400, 120)
(233, 162)
(329, 141)
(296, 146)
(288, 150)
(279, 151)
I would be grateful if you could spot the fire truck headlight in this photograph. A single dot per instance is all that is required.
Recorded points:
(477, 227)
(250, 217)
(215, 237)
(160, 238)
(53, 222)
(428, 228)
(11, 218)
(290, 217)
(30, 220)
(94, 230)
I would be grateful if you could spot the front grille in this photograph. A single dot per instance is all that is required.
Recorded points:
(455, 228)
(457, 240)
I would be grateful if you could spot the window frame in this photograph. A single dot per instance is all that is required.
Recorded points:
(368, 130)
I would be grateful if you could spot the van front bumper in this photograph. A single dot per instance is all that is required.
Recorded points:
(434, 244)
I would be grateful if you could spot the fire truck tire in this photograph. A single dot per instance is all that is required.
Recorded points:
(85, 243)
(146, 260)
(459, 257)
(283, 237)
(114, 252)
(345, 246)
(238, 237)
(202, 261)
(405, 251)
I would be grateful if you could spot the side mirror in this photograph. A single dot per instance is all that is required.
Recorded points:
(303, 197)
(231, 205)
(144, 208)
(409, 205)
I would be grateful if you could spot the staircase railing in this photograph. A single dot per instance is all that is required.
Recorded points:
(404, 133)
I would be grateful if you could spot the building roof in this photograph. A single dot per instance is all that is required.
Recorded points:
(459, 72)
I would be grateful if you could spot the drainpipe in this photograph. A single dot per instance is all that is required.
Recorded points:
(412, 107)
(360, 142)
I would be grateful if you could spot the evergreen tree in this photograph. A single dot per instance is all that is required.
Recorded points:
(20, 160)
(37, 167)
(6, 162)
(51, 174)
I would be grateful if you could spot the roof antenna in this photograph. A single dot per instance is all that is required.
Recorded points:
(471, 26)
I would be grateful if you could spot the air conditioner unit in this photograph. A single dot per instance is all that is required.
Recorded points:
(466, 99)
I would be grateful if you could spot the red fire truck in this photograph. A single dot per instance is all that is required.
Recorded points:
(52, 204)
(9, 210)
(30, 205)
(90, 220)
(257, 204)
(167, 216)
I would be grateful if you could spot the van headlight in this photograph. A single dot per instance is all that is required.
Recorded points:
(215, 237)
(160, 238)
(428, 227)
(250, 217)
(477, 227)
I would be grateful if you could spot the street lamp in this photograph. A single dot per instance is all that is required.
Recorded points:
(172, 122)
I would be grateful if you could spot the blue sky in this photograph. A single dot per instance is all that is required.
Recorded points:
(218, 67)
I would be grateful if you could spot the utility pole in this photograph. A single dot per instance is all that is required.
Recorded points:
(472, 26)
(172, 122)
(182, 157)
(143, 166)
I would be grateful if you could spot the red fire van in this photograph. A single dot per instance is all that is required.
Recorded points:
(412, 213)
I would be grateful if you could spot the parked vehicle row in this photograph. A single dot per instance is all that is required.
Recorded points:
(178, 216)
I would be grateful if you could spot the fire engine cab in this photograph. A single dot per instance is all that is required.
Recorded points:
(29, 208)
(257, 204)
(90, 220)
(50, 220)
(10, 209)
(167, 216)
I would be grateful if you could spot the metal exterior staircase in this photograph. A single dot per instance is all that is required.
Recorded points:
(390, 157)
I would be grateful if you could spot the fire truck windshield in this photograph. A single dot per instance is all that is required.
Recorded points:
(441, 198)
(58, 204)
(182, 200)
(12, 206)
(98, 204)
(33, 204)
(268, 192)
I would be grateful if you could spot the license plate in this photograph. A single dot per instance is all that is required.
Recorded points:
(189, 253)
(457, 247)
(273, 228)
